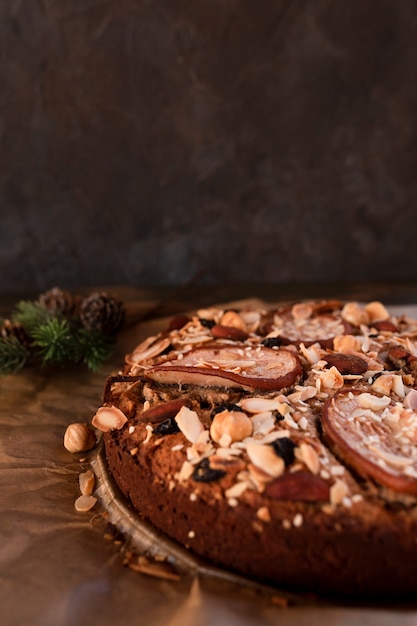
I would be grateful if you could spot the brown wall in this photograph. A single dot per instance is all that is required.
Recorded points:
(145, 142)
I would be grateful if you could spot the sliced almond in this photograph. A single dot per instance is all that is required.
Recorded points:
(85, 503)
(372, 402)
(264, 457)
(189, 424)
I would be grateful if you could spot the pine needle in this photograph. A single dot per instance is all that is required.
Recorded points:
(54, 340)
(13, 355)
(93, 348)
(31, 315)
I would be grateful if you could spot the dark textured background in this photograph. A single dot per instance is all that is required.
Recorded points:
(220, 140)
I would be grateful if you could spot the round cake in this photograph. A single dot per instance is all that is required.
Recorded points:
(277, 442)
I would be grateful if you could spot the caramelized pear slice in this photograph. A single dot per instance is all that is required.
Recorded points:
(230, 366)
(320, 329)
(375, 436)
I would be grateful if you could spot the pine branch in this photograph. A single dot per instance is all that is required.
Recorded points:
(93, 348)
(13, 355)
(54, 341)
(31, 315)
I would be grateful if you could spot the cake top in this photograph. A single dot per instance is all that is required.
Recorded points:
(313, 401)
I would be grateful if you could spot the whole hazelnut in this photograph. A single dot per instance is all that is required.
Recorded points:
(236, 424)
(79, 438)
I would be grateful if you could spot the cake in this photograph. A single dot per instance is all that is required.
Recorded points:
(278, 442)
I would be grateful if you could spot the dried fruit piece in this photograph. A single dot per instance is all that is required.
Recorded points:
(368, 431)
(205, 473)
(178, 321)
(167, 427)
(161, 412)
(284, 447)
(298, 486)
(315, 329)
(218, 366)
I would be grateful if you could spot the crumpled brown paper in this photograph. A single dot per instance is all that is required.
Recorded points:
(56, 567)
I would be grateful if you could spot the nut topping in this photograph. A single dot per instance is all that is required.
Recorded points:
(346, 363)
(236, 424)
(109, 418)
(79, 438)
(264, 457)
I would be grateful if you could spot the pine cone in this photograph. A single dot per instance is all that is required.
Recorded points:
(58, 301)
(102, 312)
(14, 329)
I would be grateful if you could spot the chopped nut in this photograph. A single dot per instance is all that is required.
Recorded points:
(332, 378)
(79, 438)
(383, 384)
(260, 405)
(307, 454)
(109, 418)
(263, 456)
(375, 403)
(376, 311)
(338, 491)
(85, 503)
(237, 489)
(263, 514)
(86, 481)
(189, 424)
(354, 314)
(346, 344)
(236, 424)
(233, 319)
(298, 520)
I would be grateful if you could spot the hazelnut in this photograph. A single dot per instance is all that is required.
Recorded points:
(376, 311)
(354, 314)
(346, 344)
(236, 424)
(79, 438)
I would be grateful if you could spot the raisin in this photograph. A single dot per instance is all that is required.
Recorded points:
(203, 473)
(229, 406)
(284, 448)
(207, 323)
(168, 427)
(272, 342)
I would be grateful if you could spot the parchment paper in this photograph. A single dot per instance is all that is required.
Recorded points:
(56, 567)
